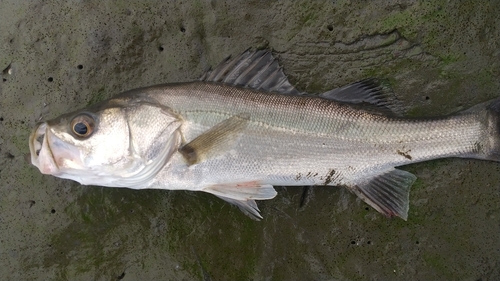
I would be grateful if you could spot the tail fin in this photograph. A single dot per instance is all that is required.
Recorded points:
(492, 136)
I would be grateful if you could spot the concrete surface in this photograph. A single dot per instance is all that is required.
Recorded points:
(56, 56)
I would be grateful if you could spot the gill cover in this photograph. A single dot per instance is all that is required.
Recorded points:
(115, 143)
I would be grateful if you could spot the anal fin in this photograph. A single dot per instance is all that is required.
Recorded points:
(387, 192)
(243, 195)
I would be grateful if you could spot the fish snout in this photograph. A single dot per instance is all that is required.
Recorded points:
(41, 155)
(36, 140)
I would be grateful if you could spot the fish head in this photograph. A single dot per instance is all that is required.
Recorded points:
(118, 143)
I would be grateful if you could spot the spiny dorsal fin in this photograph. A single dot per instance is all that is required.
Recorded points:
(215, 140)
(254, 69)
(387, 192)
(369, 91)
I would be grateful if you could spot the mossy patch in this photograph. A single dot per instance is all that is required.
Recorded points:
(98, 96)
(438, 263)
(104, 222)
(203, 237)
(404, 21)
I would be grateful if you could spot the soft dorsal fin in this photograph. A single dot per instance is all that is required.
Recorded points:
(368, 91)
(255, 69)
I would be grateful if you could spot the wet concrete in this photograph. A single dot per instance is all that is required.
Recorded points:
(56, 56)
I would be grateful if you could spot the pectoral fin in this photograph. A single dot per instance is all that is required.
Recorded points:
(243, 195)
(388, 192)
(214, 141)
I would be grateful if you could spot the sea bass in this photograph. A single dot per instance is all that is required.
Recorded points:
(243, 128)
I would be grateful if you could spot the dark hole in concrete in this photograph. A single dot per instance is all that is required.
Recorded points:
(417, 242)
(80, 66)
(131, 211)
(50, 79)
(330, 27)
(427, 98)
(353, 242)
(53, 211)
(1, 118)
(369, 242)
(32, 203)
(183, 29)
(366, 208)
(4, 80)
(121, 276)
(10, 155)
(7, 69)
(160, 49)
(22, 122)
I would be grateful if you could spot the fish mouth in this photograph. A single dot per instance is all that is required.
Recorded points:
(41, 153)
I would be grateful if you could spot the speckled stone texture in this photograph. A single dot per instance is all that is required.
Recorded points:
(56, 56)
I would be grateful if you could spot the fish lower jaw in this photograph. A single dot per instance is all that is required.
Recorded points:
(47, 167)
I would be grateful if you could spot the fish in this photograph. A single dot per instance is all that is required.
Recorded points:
(242, 129)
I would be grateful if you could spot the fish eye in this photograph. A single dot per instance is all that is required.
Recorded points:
(82, 125)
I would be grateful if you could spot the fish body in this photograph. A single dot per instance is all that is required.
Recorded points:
(243, 129)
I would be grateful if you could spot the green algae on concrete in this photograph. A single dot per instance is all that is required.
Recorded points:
(207, 233)
(438, 57)
(98, 96)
